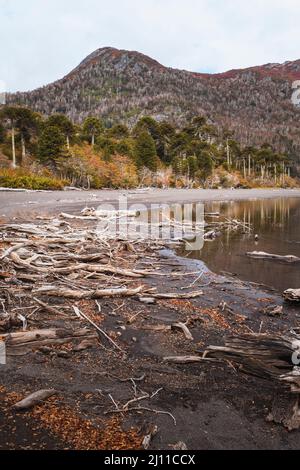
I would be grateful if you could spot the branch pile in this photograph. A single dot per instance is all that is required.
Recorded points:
(57, 261)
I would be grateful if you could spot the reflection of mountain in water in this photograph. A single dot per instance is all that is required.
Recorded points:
(277, 222)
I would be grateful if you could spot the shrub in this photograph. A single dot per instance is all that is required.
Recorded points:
(18, 179)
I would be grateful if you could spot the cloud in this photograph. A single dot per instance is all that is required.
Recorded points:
(45, 40)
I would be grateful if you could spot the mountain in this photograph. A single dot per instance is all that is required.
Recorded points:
(121, 85)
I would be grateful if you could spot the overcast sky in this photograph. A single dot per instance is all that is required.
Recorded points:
(42, 40)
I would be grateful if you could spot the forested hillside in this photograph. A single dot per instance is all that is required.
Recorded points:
(123, 86)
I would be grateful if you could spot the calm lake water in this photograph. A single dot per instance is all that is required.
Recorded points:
(277, 222)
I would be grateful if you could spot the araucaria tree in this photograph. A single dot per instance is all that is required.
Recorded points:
(64, 125)
(145, 151)
(92, 128)
(9, 114)
(51, 145)
(27, 124)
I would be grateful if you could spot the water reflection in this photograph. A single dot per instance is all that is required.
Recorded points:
(276, 222)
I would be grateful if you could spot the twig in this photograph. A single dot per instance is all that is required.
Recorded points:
(81, 314)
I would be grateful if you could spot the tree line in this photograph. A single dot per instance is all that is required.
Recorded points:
(191, 152)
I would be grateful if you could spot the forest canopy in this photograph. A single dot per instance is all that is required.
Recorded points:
(154, 153)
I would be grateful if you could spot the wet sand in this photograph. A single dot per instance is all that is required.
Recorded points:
(215, 406)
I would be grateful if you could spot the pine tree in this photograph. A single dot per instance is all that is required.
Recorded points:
(51, 145)
(64, 124)
(145, 151)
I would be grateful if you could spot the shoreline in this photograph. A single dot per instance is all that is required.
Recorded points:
(15, 203)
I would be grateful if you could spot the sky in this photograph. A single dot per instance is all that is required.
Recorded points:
(43, 40)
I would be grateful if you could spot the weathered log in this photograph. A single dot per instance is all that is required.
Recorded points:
(269, 256)
(77, 267)
(26, 348)
(272, 357)
(188, 295)
(24, 337)
(53, 291)
(183, 359)
(292, 295)
(107, 213)
(34, 399)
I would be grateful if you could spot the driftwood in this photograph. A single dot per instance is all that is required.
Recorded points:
(183, 359)
(93, 214)
(48, 308)
(102, 332)
(22, 343)
(273, 311)
(148, 438)
(76, 267)
(182, 327)
(179, 446)
(107, 213)
(292, 295)
(271, 357)
(188, 295)
(34, 399)
(13, 339)
(53, 291)
(269, 256)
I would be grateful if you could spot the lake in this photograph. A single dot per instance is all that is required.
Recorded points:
(276, 222)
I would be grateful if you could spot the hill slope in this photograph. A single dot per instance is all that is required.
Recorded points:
(123, 85)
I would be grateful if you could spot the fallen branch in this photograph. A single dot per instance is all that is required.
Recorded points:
(48, 308)
(184, 329)
(83, 315)
(269, 256)
(188, 295)
(53, 291)
(34, 399)
(183, 359)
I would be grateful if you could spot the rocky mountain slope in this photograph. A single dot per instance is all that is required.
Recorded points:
(122, 85)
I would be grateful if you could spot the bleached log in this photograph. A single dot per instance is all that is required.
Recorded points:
(77, 267)
(292, 295)
(53, 291)
(183, 359)
(269, 256)
(23, 228)
(77, 217)
(24, 337)
(106, 213)
(11, 250)
(34, 399)
(188, 295)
